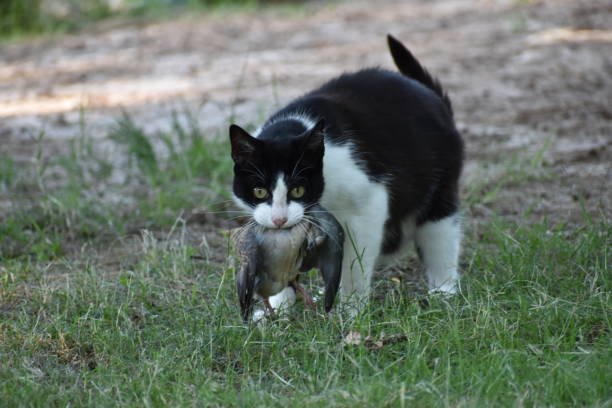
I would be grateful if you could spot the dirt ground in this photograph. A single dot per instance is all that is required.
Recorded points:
(525, 77)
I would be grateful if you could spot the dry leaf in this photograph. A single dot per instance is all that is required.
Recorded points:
(353, 338)
(372, 344)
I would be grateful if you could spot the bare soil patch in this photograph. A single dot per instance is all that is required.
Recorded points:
(527, 78)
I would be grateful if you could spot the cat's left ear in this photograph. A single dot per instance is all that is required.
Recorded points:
(316, 138)
(243, 144)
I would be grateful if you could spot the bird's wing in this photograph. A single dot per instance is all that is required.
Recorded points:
(248, 250)
(330, 254)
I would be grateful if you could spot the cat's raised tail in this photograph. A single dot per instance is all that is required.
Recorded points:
(409, 66)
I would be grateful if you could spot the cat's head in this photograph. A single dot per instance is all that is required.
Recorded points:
(279, 174)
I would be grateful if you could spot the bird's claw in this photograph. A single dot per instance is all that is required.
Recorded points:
(307, 298)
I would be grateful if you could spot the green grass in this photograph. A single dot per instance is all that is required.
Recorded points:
(102, 302)
(31, 17)
(83, 195)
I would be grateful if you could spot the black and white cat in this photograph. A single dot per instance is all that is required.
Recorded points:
(381, 152)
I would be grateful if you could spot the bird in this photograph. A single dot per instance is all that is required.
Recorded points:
(271, 259)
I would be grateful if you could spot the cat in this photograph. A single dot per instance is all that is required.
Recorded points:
(378, 149)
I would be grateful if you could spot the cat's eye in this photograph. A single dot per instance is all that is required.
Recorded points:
(260, 193)
(298, 192)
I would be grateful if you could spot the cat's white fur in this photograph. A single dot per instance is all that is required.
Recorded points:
(361, 206)
(439, 242)
(302, 117)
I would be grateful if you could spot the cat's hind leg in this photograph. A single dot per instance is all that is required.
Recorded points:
(438, 243)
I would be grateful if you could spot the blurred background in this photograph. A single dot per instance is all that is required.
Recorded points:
(529, 79)
(43, 16)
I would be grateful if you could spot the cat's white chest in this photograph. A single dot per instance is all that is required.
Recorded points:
(360, 204)
(347, 186)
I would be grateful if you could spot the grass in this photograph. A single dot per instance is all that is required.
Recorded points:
(31, 17)
(97, 198)
(105, 299)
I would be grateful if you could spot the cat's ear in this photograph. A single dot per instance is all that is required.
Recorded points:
(315, 139)
(243, 144)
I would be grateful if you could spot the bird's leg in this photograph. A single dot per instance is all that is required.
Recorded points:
(309, 302)
(314, 242)
(269, 307)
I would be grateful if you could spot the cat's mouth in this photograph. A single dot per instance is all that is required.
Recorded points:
(286, 225)
(270, 218)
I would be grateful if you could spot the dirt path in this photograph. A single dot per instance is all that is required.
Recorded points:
(525, 77)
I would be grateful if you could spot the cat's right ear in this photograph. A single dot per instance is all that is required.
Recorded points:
(243, 144)
(315, 139)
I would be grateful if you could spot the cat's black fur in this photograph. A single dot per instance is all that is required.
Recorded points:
(258, 161)
(401, 126)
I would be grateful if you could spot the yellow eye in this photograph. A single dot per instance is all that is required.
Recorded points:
(260, 192)
(298, 192)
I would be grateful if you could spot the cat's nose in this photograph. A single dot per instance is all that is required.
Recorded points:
(279, 221)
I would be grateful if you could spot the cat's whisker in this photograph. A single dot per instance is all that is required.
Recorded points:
(303, 169)
(221, 202)
(323, 212)
(258, 172)
(316, 224)
(235, 218)
(222, 212)
(321, 225)
(296, 165)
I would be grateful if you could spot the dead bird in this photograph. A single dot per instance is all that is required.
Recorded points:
(271, 259)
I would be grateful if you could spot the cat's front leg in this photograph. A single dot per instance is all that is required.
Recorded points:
(362, 244)
(439, 243)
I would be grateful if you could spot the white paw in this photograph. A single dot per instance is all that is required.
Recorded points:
(351, 306)
(259, 316)
(447, 288)
(282, 301)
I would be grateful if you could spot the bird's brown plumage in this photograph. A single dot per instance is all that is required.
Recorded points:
(270, 259)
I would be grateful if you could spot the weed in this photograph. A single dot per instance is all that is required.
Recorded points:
(26, 17)
(135, 319)
(83, 195)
